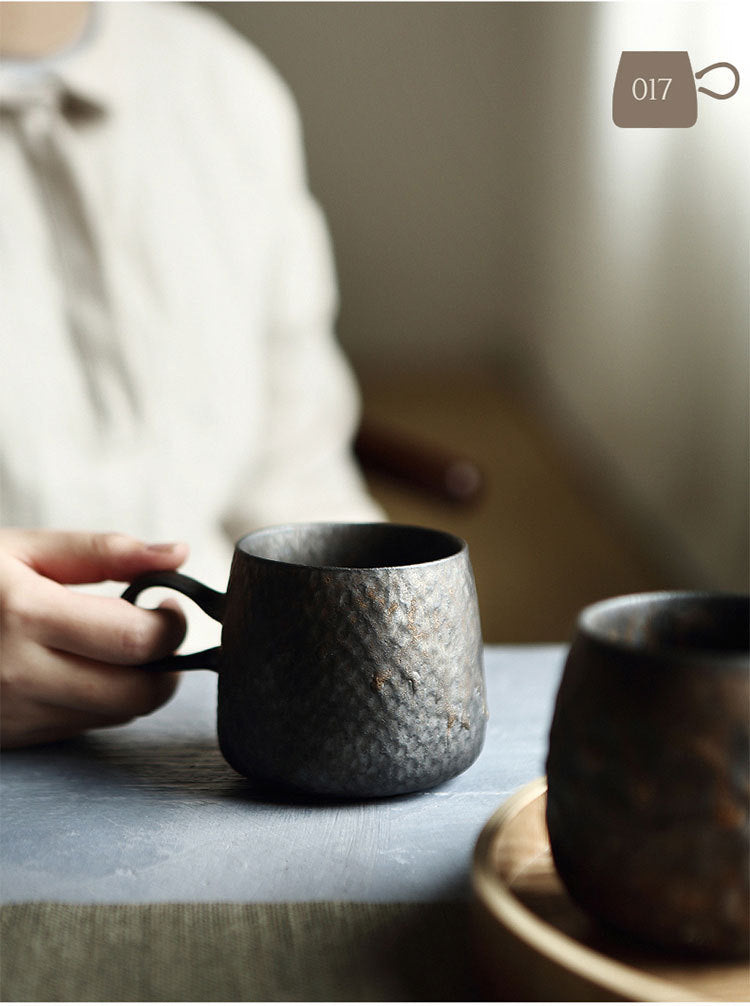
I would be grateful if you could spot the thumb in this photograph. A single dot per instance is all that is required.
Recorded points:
(82, 557)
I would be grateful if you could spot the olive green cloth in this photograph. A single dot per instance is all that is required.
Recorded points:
(209, 952)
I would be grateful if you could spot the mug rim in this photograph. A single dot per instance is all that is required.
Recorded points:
(459, 545)
(585, 626)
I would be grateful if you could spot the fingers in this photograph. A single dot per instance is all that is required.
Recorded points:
(108, 629)
(99, 691)
(40, 724)
(69, 661)
(50, 678)
(99, 628)
(82, 557)
(49, 695)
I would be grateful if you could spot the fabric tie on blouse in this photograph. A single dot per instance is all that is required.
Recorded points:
(46, 117)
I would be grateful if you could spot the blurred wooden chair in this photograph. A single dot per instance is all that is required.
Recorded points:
(417, 463)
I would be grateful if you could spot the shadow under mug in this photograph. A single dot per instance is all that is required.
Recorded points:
(351, 660)
(648, 770)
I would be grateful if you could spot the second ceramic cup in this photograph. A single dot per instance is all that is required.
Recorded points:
(648, 771)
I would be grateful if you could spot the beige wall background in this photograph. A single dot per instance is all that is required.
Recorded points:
(486, 210)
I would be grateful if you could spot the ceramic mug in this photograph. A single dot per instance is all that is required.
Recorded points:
(657, 89)
(351, 659)
(648, 804)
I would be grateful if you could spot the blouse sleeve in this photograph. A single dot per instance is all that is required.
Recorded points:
(305, 469)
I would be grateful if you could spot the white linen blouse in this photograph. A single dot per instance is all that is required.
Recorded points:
(167, 360)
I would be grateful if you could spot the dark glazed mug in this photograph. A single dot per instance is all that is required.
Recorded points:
(648, 803)
(351, 658)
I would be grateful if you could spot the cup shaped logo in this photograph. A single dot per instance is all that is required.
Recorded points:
(658, 89)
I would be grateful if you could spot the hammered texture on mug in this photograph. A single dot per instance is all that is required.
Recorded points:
(351, 682)
(649, 797)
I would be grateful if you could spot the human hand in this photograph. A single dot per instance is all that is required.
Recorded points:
(69, 661)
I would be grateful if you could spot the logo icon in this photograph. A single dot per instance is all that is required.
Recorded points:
(657, 89)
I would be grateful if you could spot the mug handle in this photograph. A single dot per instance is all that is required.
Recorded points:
(714, 94)
(211, 601)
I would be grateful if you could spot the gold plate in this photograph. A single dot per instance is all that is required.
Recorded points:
(534, 943)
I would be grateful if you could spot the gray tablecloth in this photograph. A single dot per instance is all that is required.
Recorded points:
(138, 853)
